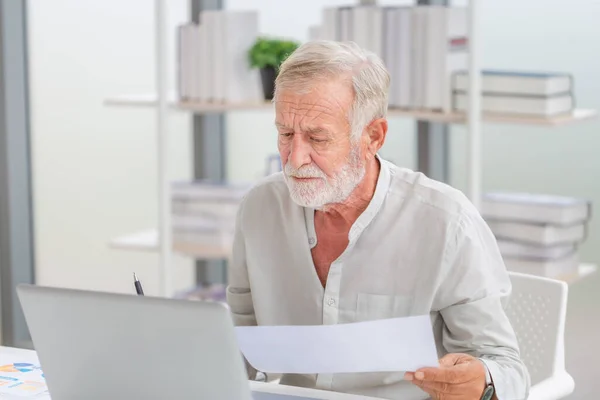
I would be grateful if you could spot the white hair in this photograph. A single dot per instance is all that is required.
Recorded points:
(322, 59)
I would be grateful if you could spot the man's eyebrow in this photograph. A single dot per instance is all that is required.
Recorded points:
(316, 129)
(313, 129)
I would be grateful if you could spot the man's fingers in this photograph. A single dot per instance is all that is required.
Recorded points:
(422, 374)
(436, 387)
(451, 359)
(457, 375)
(442, 375)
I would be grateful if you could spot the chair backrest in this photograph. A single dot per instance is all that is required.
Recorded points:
(537, 310)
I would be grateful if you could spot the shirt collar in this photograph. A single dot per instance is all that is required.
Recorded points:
(361, 223)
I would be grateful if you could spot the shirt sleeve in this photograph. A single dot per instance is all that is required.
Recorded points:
(238, 293)
(474, 292)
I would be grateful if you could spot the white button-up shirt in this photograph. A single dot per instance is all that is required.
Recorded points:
(419, 248)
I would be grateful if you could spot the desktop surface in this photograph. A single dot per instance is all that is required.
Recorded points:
(275, 396)
(260, 390)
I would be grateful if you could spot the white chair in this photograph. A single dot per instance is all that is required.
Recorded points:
(537, 309)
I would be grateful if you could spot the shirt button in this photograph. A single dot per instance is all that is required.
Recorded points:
(331, 301)
(311, 241)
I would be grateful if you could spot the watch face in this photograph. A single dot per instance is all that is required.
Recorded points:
(488, 393)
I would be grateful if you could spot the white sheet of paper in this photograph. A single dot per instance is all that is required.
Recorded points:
(397, 344)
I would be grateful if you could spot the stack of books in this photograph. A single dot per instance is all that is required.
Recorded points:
(538, 234)
(204, 213)
(421, 46)
(518, 92)
(212, 58)
(209, 292)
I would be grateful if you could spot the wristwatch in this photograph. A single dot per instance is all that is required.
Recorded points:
(489, 390)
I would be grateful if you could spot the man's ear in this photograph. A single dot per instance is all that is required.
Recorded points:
(376, 133)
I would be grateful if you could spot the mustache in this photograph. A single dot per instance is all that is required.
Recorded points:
(309, 171)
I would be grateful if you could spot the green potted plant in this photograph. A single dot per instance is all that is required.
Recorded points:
(267, 54)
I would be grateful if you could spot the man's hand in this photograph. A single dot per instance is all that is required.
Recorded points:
(459, 377)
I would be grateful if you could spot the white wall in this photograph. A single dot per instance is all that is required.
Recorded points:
(94, 166)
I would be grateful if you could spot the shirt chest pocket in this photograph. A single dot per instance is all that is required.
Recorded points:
(371, 307)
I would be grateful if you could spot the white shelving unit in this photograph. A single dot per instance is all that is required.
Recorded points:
(164, 188)
(149, 101)
(160, 239)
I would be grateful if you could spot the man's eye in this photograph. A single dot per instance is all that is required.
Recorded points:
(286, 134)
(316, 140)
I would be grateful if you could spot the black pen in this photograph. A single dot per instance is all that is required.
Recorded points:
(138, 285)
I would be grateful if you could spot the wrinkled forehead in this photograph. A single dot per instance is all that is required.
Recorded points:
(328, 103)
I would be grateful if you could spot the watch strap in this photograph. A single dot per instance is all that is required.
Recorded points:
(489, 391)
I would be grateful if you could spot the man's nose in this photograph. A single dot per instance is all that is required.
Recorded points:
(299, 152)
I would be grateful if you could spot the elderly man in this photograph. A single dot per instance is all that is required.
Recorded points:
(341, 235)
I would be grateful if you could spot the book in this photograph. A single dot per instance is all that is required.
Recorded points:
(346, 23)
(210, 292)
(540, 234)
(187, 238)
(446, 44)
(418, 57)
(390, 48)
(212, 58)
(402, 72)
(513, 249)
(540, 208)
(206, 190)
(554, 268)
(239, 81)
(199, 223)
(367, 32)
(205, 206)
(396, 53)
(518, 104)
(517, 82)
(330, 28)
(211, 245)
(185, 64)
(421, 46)
(210, 20)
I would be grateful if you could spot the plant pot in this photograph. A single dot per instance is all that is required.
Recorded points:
(267, 76)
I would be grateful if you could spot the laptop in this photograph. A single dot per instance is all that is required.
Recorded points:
(98, 346)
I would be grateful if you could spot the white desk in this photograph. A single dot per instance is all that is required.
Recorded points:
(30, 356)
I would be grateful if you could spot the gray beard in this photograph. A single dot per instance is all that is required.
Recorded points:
(336, 190)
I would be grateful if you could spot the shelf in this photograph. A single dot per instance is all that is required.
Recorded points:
(580, 114)
(147, 241)
(582, 272)
(149, 100)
